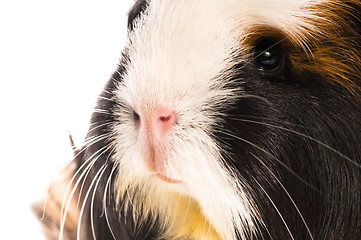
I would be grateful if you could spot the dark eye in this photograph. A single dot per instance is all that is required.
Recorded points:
(268, 56)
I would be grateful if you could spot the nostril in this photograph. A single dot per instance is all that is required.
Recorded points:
(166, 117)
(158, 121)
(165, 120)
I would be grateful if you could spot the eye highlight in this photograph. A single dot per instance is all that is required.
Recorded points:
(269, 56)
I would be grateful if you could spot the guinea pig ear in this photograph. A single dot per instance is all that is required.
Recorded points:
(138, 8)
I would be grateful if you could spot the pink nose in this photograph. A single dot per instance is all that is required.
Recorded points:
(163, 120)
(153, 127)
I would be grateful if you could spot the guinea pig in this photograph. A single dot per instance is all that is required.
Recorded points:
(226, 119)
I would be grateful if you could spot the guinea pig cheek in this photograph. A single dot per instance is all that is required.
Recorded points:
(155, 136)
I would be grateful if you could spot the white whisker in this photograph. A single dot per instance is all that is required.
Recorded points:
(107, 99)
(271, 156)
(45, 201)
(107, 186)
(97, 126)
(307, 137)
(83, 171)
(102, 111)
(101, 171)
(93, 140)
(103, 150)
(275, 207)
(64, 211)
(106, 91)
(288, 195)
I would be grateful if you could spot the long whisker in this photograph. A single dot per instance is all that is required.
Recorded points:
(78, 153)
(103, 150)
(304, 136)
(247, 117)
(271, 156)
(102, 111)
(83, 171)
(45, 201)
(107, 186)
(288, 195)
(251, 59)
(65, 207)
(275, 207)
(97, 125)
(130, 200)
(101, 170)
(106, 91)
(84, 181)
(94, 141)
(87, 170)
(89, 141)
(107, 99)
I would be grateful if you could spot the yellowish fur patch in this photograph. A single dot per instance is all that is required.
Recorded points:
(181, 214)
(188, 221)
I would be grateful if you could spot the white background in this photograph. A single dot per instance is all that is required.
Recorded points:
(55, 57)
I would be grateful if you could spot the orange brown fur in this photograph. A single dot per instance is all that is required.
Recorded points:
(333, 52)
(329, 49)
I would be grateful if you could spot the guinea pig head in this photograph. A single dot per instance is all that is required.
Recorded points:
(233, 105)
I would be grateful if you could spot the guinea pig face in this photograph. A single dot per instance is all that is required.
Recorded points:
(202, 87)
(177, 85)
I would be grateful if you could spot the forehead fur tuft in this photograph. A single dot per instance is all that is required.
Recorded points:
(323, 35)
(332, 48)
(322, 38)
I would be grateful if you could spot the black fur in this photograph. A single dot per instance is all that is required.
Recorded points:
(298, 143)
(139, 7)
(308, 144)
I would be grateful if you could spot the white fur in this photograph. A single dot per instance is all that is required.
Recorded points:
(179, 56)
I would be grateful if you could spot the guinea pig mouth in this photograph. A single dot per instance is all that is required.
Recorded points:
(156, 163)
(167, 179)
(161, 172)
